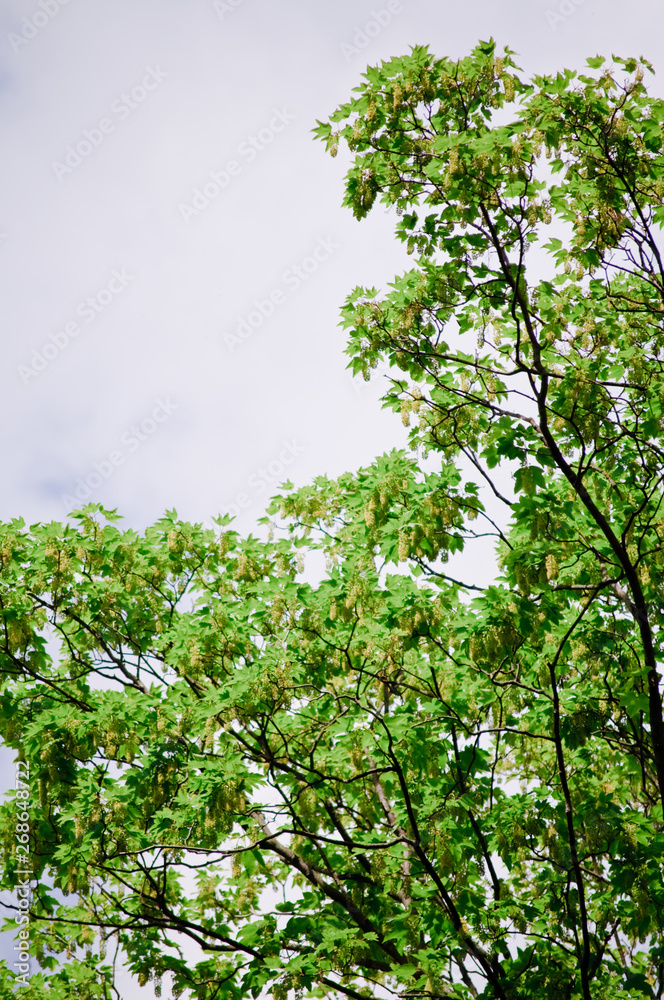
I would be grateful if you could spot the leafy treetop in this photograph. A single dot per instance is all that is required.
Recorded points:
(394, 781)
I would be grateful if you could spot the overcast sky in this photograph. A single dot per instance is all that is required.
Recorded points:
(173, 247)
(173, 250)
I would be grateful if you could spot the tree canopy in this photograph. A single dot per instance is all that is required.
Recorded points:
(394, 781)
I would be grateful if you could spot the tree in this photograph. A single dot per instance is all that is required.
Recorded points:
(394, 781)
